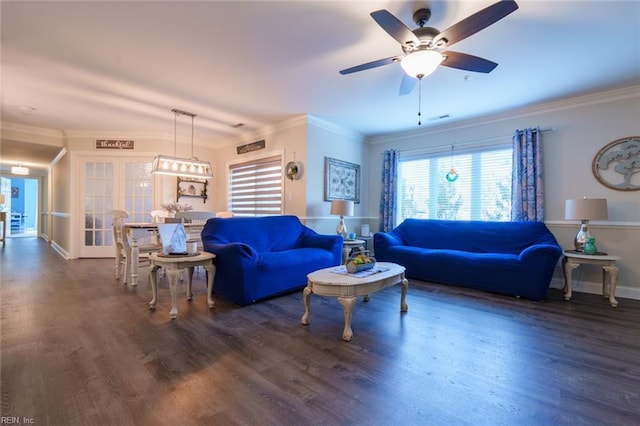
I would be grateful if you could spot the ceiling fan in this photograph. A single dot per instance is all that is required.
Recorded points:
(423, 47)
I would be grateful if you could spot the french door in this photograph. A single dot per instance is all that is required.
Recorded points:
(108, 183)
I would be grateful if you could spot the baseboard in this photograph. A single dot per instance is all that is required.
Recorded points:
(596, 288)
(62, 252)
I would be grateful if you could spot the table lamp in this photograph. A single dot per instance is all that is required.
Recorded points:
(342, 208)
(584, 210)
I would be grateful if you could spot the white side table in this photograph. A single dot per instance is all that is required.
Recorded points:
(572, 260)
(349, 245)
(173, 265)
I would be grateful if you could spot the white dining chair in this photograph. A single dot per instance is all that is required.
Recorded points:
(158, 216)
(197, 220)
(123, 245)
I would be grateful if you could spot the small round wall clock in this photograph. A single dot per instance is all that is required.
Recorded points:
(293, 170)
(617, 164)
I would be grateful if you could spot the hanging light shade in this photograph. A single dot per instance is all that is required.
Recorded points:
(421, 63)
(179, 166)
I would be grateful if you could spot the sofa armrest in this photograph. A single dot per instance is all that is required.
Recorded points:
(322, 241)
(239, 251)
(541, 251)
(384, 240)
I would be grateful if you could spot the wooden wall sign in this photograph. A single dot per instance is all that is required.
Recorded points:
(253, 146)
(114, 144)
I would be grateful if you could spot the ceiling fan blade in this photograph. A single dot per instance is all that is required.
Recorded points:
(407, 84)
(476, 22)
(467, 62)
(395, 27)
(369, 65)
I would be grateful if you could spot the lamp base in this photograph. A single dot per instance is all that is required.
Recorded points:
(342, 228)
(581, 237)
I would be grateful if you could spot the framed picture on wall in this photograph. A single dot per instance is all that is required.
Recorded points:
(341, 180)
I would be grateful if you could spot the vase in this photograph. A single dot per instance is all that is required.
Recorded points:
(590, 246)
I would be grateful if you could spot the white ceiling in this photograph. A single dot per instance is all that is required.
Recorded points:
(122, 66)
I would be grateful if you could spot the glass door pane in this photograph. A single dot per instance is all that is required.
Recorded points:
(107, 184)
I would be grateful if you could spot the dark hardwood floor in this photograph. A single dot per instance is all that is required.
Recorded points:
(79, 348)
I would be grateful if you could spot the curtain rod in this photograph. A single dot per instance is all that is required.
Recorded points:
(448, 146)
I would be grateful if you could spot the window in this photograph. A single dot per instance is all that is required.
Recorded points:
(255, 187)
(481, 192)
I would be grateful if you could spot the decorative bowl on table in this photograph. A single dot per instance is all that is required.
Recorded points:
(360, 262)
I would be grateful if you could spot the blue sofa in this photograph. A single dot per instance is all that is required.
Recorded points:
(262, 257)
(513, 258)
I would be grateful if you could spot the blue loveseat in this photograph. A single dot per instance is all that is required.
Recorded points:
(513, 258)
(261, 257)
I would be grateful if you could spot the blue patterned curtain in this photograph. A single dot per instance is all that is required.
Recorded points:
(526, 185)
(389, 190)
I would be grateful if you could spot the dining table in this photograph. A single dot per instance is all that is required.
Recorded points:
(137, 231)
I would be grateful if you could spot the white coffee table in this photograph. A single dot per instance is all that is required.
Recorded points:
(347, 288)
(173, 266)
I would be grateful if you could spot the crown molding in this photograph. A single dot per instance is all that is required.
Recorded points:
(103, 134)
(334, 128)
(6, 126)
(556, 105)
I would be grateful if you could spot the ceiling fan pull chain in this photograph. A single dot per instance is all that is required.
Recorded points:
(419, 101)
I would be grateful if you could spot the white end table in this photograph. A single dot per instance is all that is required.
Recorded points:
(347, 288)
(572, 260)
(349, 245)
(173, 265)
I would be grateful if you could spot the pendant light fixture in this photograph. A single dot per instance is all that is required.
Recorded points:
(178, 166)
(453, 175)
(19, 170)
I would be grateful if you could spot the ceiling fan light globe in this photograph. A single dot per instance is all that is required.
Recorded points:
(421, 63)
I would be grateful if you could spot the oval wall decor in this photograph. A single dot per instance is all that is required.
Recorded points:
(293, 170)
(617, 164)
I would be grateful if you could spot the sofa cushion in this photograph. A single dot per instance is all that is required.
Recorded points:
(263, 234)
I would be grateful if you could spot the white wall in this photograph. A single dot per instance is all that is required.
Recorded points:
(287, 139)
(327, 140)
(580, 127)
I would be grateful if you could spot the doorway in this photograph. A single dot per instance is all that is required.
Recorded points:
(21, 205)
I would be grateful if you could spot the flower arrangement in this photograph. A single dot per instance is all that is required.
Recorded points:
(176, 207)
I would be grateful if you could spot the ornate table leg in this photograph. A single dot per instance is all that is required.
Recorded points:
(189, 281)
(119, 264)
(347, 306)
(211, 273)
(173, 281)
(306, 295)
(134, 259)
(153, 275)
(405, 287)
(613, 282)
(568, 268)
(345, 254)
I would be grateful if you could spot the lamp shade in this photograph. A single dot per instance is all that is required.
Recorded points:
(421, 63)
(586, 209)
(1, 198)
(342, 207)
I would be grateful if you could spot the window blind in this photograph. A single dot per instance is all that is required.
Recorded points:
(255, 187)
(481, 192)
